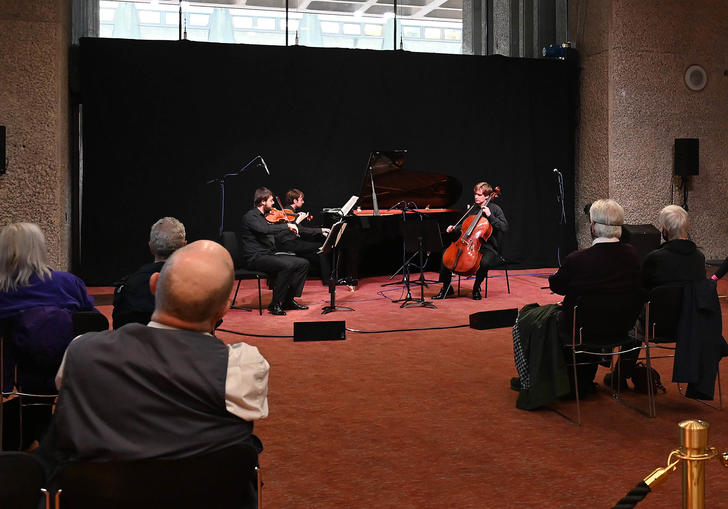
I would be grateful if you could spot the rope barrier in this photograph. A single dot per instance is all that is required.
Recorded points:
(634, 497)
(693, 452)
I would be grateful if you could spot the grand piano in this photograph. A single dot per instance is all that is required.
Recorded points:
(373, 242)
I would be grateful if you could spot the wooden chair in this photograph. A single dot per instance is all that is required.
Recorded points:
(226, 479)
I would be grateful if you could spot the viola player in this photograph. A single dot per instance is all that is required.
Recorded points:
(494, 214)
(257, 245)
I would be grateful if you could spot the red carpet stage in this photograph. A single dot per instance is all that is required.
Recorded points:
(426, 419)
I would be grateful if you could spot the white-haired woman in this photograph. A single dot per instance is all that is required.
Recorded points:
(26, 279)
(36, 306)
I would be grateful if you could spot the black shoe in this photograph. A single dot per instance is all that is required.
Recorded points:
(516, 384)
(444, 293)
(610, 380)
(292, 305)
(476, 294)
(276, 309)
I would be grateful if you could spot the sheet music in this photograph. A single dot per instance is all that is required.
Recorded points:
(349, 205)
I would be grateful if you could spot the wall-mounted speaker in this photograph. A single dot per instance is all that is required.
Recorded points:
(687, 159)
(319, 331)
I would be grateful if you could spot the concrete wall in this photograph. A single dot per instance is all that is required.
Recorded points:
(34, 107)
(634, 103)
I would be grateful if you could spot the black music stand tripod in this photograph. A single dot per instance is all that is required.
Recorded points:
(427, 235)
(406, 262)
(331, 244)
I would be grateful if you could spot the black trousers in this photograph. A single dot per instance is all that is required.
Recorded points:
(309, 250)
(288, 274)
(489, 259)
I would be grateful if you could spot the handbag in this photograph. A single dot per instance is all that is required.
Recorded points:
(639, 379)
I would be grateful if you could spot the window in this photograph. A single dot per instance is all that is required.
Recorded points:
(420, 25)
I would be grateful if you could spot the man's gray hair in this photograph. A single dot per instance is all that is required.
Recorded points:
(23, 254)
(674, 220)
(166, 236)
(608, 218)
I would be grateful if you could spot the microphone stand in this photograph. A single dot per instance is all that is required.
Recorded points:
(220, 181)
(562, 218)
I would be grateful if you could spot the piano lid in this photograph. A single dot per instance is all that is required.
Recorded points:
(394, 183)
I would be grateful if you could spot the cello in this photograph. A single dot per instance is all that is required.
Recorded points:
(463, 255)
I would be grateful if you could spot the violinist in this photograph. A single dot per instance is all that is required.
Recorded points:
(494, 214)
(257, 245)
(308, 241)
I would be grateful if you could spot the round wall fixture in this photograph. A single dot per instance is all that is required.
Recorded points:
(696, 78)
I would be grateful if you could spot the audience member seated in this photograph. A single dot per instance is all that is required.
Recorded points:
(699, 343)
(608, 266)
(133, 301)
(169, 389)
(678, 259)
(36, 304)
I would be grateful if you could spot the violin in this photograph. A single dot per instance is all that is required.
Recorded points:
(293, 215)
(463, 256)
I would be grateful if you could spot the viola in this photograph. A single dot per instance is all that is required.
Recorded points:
(463, 256)
(276, 216)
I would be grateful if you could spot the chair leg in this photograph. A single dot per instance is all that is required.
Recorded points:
(720, 392)
(487, 277)
(235, 297)
(508, 284)
(576, 387)
(651, 396)
(259, 477)
(260, 299)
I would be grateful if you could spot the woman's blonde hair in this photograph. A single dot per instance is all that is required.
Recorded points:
(22, 254)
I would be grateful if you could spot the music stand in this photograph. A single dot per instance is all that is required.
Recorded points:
(425, 233)
(330, 245)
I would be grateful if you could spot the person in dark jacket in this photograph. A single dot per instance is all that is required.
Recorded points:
(133, 301)
(608, 266)
(678, 260)
(309, 240)
(257, 243)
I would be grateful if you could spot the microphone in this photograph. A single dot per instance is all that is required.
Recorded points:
(396, 205)
(264, 165)
(557, 171)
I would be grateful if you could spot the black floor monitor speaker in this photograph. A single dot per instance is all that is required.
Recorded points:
(687, 159)
(319, 331)
(493, 319)
(644, 238)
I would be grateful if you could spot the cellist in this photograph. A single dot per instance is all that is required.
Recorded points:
(494, 214)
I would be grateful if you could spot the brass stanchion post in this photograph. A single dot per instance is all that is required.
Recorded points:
(693, 444)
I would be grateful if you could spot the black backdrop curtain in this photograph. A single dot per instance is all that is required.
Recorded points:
(161, 118)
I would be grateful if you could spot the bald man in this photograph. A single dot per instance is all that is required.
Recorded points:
(168, 389)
